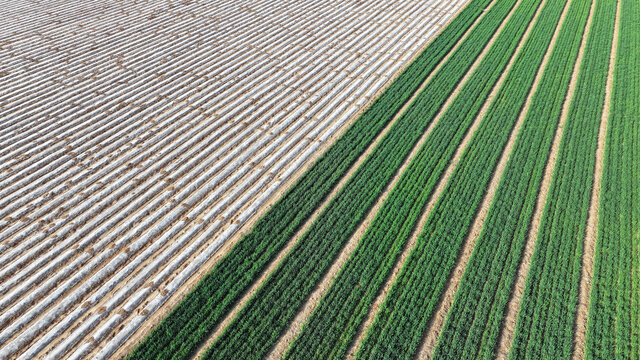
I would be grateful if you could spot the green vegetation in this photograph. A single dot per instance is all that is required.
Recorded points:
(259, 324)
(403, 319)
(473, 323)
(612, 331)
(331, 329)
(546, 319)
(191, 322)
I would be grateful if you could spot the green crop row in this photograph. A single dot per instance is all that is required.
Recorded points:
(193, 320)
(260, 323)
(613, 325)
(331, 328)
(546, 321)
(402, 321)
(474, 321)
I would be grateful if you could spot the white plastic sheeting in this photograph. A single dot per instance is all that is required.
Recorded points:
(138, 136)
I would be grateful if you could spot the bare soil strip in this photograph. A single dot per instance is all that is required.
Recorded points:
(506, 335)
(441, 183)
(437, 324)
(592, 221)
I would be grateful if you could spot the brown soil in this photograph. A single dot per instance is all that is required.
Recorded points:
(592, 222)
(507, 332)
(444, 306)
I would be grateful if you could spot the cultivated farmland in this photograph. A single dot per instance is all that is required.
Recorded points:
(320, 180)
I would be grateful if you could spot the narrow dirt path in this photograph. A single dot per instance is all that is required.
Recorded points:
(592, 221)
(506, 335)
(435, 329)
(441, 183)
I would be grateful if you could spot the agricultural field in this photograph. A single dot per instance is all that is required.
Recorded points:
(440, 179)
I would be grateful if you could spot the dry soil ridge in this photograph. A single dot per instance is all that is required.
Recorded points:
(508, 325)
(453, 283)
(592, 221)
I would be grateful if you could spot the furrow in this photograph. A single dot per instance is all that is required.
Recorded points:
(436, 327)
(551, 291)
(443, 235)
(594, 204)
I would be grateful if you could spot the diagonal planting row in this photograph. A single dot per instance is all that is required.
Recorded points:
(614, 314)
(475, 319)
(403, 319)
(194, 319)
(591, 234)
(332, 327)
(546, 320)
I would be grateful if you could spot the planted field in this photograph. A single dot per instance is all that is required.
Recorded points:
(320, 180)
(614, 302)
(137, 140)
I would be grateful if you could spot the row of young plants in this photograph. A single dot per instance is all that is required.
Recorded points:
(193, 320)
(400, 326)
(333, 326)
(612, 331)
(267, 314)
(546, 321)
(473, 323)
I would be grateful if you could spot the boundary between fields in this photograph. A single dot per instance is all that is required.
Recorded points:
(293, 241)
